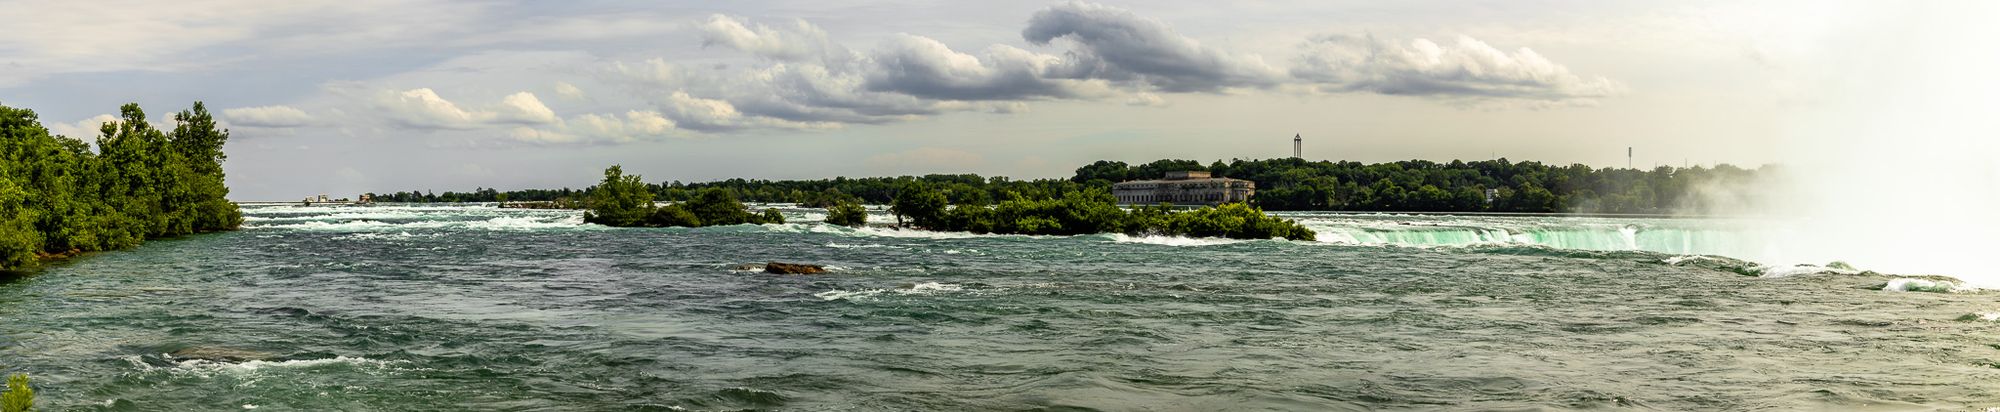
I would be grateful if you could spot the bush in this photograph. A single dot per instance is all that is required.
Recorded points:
(847, 214)
(1094, 211)
(673, 215)
(625, 201)
(19, 397)
(925, 208)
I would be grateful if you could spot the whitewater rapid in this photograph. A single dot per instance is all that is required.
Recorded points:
(1753, 240)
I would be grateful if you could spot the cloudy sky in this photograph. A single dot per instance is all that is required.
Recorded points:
(348, 96)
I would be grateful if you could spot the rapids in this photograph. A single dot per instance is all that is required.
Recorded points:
(452, 307)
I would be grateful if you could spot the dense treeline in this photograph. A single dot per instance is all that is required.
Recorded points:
(811, 193)
(1458, 186)
(58, 196)
(624, 201)
(480, 195)
(1282, 184)
(1089, 211)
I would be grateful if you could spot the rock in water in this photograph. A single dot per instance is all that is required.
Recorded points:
(219, 354)
(748, 266)
(793, 269)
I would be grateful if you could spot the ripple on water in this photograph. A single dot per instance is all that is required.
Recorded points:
(479, 308)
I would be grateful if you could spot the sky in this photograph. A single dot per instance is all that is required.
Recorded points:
(352, 96)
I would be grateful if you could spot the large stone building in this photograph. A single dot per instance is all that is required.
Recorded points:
(1184, 188)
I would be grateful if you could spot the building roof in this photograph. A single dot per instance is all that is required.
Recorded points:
(1180, 181)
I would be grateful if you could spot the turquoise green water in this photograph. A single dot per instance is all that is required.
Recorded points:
(475, 308)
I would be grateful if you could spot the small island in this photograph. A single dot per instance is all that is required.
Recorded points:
(624, 201)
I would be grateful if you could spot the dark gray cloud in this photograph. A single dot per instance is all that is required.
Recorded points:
(926, 68)
(1115, 44)
(802, 79)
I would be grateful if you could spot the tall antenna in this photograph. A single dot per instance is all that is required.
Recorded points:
(1628, 157)
(1298, 147)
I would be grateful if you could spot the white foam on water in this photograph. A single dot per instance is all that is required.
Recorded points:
(1924, 285)
(203, 367)
(328, 226)
(386, 236)
(1171, 240)
(1797, 270)
(927, 288)
(1677, 260)
(854, 295)
(496, 223)
(859, 246)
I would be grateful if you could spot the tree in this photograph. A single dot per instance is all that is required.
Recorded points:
(620, 200)
(1102, 170)
(58, 197)
(847, 214)
(923, 207)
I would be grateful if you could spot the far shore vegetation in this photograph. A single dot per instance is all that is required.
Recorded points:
(60, 196)
(625, 201)
(1497, 185)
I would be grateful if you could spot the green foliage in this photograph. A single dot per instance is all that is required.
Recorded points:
(625, 201)
(1282, 184)
(920, 205)
(1233, 220)
(847, 214)
(620, 200)
(673, 215)
(1457, 186)
(19, 397)
(1094, 211)
(58, 197)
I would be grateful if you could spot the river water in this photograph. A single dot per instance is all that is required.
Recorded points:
(445, 307)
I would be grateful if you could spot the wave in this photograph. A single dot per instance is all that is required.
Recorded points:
(1925, 285)
(202, 367)
(496, 223)
(1798, 270)
(1172, 240)
(926, 288)
(866, 231)
(837, 245)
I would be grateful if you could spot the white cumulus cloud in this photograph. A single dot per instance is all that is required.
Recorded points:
(1463, 69)
(796, 40)
(523, 108)
(268, 116)
(568, 91)
(423, 109)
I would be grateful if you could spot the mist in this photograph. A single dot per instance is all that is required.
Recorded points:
(1889, 163)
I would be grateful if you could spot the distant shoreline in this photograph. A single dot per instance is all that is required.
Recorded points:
(1336, 212)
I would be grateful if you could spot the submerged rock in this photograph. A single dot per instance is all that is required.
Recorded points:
(219, 354)
(793, 268)
(748, 266)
